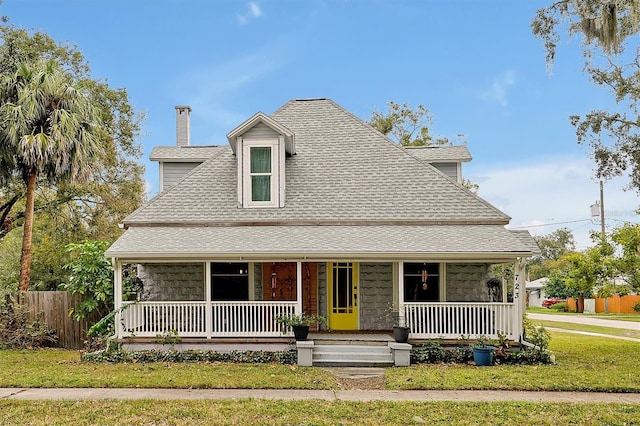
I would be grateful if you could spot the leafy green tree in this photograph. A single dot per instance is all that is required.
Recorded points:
(556, 285)
(555, 244)
(49, 130)
(406, 126)
(627, 262)
(612, 61)
(411, 127)
(91, 275)
(552, 247)
(588, 269)
(73, 212)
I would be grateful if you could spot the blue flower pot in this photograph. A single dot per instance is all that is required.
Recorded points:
(483, 356)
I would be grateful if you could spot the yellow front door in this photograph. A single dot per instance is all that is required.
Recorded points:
(342, 283)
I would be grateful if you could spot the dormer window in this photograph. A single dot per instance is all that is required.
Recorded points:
(261, 144)
(261, 173)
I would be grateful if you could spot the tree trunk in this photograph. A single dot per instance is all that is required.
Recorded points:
(25, 257)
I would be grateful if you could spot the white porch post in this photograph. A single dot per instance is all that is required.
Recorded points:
(298, 287)
(117, 297)
(208, 315)
(401, 319)
(519, 295)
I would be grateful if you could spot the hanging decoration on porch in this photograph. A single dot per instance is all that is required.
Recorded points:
(274, 280)
(283, 281)
(425, 275)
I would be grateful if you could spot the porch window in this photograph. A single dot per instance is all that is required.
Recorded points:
(229, 281)
(422, 282)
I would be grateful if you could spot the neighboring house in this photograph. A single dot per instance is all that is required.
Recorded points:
(312, 210)
(535, 292)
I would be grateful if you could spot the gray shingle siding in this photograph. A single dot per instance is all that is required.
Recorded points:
(375, 295)
(467, 282)
(172, 281)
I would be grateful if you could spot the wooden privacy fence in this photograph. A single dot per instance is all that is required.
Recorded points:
(612, 305)
(52, 308)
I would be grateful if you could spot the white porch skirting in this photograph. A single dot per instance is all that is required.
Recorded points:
(456, 320)
(203, 319)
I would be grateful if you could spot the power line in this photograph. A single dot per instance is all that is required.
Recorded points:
(549, 224)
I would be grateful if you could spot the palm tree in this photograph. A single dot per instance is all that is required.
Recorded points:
(48, 130)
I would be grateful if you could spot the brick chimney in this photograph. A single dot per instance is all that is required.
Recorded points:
(183, 128)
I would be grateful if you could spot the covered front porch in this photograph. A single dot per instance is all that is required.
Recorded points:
(183, 299)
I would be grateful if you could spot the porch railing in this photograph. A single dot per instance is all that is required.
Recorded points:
(454, 320)
(204, 319)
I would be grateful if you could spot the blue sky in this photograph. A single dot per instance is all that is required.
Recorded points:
(474, 65)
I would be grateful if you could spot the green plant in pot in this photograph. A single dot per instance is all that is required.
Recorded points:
(483, 351)
(400, 330)
(300, 323)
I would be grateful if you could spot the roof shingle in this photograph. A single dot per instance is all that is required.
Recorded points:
(343, 171)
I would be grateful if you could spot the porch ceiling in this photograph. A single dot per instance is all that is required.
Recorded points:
(322, 242)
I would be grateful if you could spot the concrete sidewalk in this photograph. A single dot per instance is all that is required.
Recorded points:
(326, 395)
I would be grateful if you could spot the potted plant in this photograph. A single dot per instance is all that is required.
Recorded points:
(400, 331)
(299, 323)
(483, 351)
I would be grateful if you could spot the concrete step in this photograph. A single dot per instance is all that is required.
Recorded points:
(352, 355)
(326, 342)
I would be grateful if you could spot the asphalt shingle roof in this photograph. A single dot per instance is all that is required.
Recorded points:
(435, 154)
(320, 242)
(191, 153)
(344, 171)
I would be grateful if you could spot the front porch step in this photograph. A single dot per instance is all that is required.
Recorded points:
(336, 355)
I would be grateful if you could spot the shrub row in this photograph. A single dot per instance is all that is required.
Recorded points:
(434, 353)
(255, 357)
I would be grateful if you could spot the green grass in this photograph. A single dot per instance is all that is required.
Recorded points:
(619, 317)
(584, 363)
(590, 328)
(265, 412)
(61, 368)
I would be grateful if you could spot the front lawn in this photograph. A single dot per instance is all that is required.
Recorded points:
(62, 368)
(584, 363)
(267, 412)
(589, 328)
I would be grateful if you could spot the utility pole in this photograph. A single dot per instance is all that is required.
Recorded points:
(597, 209)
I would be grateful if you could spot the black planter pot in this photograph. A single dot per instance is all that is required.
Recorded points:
(301, 332)
(401, 334)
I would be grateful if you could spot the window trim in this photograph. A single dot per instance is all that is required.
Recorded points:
(275, 183)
